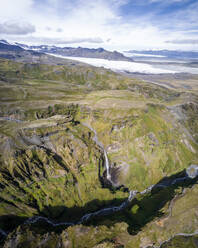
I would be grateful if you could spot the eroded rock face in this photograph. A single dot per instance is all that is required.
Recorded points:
(56, 169)
(78, 236)
(52, 167)
(187, 114)
(46, 173)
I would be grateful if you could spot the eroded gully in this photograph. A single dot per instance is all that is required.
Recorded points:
(111, 209)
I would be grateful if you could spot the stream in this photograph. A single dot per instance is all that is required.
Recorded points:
(109, 210)
(191, 173)
(7, 118)
(4, 234)
(112, 209)
(176, 235)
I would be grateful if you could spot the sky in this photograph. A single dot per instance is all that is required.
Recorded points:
(112, 24)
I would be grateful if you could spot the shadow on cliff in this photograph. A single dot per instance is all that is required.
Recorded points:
(141, 210)
(144, 208)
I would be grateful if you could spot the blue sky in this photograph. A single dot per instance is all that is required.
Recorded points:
(112, 24)
(164, 14)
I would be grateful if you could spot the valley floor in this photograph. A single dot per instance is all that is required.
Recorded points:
(60, 124)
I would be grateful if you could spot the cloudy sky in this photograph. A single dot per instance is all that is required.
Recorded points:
(112, 24)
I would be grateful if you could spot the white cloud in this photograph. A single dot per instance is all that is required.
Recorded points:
(19, 28)
(59, 30)
(15, 9)
(83, 21)
(185, 41)
(59, 41)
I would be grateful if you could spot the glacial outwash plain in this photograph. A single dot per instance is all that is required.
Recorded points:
(91, 157)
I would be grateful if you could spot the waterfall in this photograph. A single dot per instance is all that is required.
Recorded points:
(107, 210)
(95, 139)
(111, 209)
(107, 166)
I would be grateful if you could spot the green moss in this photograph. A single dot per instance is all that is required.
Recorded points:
(134, 209)
(63, 177)
(181, 242)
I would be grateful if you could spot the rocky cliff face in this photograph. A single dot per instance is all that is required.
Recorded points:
(53, 172)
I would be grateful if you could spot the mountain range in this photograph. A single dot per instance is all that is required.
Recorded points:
(90, 158)
(67, 51)
(166, 53)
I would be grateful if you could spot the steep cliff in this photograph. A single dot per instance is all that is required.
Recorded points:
(60, 125)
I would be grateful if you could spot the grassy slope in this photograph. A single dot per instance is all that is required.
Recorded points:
(143, 139)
